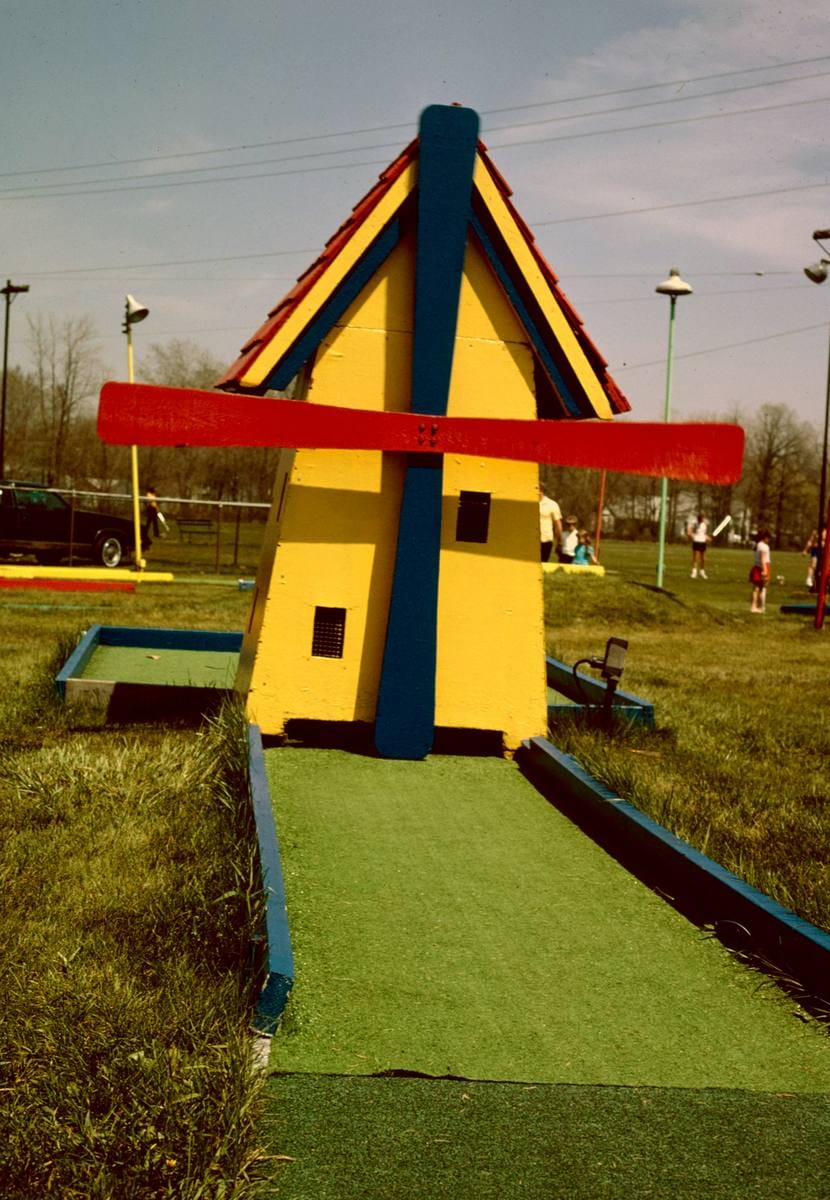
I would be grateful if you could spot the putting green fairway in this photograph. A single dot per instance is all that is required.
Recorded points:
(447, 920)
(174, 668)
(437, 1139)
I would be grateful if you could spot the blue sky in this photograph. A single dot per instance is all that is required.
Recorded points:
(184, 86)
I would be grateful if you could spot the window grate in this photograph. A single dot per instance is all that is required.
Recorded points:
(329, 632)
(473, 521)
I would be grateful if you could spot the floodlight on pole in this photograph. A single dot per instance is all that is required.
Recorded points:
(817, 273)
(9, 292)
(672, 287)
(133, 313)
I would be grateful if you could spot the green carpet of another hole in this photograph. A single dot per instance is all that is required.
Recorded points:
(447, 920)
(180, 668)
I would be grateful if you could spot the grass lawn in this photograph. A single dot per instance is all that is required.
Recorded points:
(123, 1050)
(738, 763)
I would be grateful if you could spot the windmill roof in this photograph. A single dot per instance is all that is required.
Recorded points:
(579, 384)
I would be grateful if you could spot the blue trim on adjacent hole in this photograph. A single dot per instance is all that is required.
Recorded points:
(80, 656)
(560, 678)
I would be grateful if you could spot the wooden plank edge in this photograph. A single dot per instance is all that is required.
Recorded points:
(279, 957)
(740, 915)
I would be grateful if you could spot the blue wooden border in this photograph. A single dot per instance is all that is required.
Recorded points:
(80, 656)
(311, 337)
(560, 678)
(280, 960)
(632, 713)
(693, 883)
(169, 639)
(806, 609)
(149, 638)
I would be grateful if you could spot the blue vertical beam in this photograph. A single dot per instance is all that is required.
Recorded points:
(405, 721)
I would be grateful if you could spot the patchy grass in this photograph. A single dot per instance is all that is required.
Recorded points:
(737, 765)
(127, 908)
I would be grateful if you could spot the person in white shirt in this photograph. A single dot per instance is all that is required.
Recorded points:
(759, 575)
(550, 524)
(570, 540)
(698, 532)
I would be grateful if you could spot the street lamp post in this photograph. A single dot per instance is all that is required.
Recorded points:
(817, 273)
(9, 291)
(672, 287)
(133, 313)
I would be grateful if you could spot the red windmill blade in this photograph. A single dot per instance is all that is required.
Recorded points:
(144, 414)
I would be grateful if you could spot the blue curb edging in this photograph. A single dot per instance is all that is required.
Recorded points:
(152, 639)
(280, 960)
(625, 704)
(696, 885)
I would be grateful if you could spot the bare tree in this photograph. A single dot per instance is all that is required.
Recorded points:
(67, 373)
(223, 473)
(779, 465)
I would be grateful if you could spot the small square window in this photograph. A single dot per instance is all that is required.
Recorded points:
(473, 520)
(329, 632)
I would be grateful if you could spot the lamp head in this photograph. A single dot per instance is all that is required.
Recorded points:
(674, 286)
(817, 271)
(135, 312)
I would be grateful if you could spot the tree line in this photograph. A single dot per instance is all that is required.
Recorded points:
(51, 438)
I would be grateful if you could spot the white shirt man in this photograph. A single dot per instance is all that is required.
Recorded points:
(550, 524)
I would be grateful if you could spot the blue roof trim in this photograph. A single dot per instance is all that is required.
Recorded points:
(331, 312)
(530, 326)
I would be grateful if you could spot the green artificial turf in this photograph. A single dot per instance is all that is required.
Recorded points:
(181, 668)
(413, 1139)
(447, 920)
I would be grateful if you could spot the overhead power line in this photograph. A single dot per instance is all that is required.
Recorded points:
(266, 162)
(652, 208)
(134, 187)
(247, 146)
(658, 362)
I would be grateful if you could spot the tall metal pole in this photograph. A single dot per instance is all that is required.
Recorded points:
(672, 287)
(600, 507)
(138, 560)
(664, 483)
(9, 291)
(823, 563)
(823, 480)
(134, 312)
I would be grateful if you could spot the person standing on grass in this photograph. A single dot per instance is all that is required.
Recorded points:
(813, 551)
(698, 532)
(570, 541)
(760, 572)
(152, 512)
(550, 523)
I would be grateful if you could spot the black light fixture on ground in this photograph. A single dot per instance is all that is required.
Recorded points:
(9, 291)
(817, 273)
(133, 313)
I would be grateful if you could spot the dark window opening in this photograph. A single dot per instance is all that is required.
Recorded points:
(473, 520)
(329, 631)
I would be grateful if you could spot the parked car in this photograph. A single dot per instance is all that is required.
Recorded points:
(34, 520)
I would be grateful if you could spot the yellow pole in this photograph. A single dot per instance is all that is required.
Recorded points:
(140, 564)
